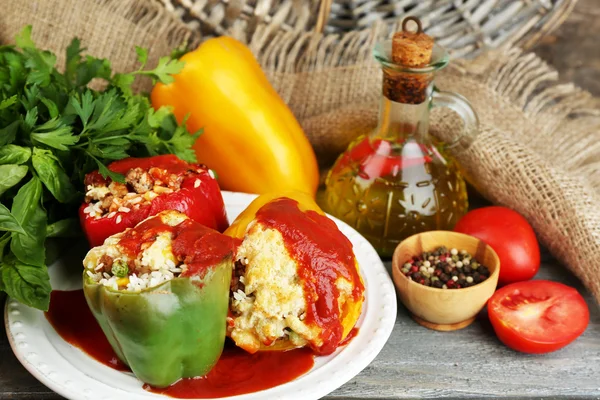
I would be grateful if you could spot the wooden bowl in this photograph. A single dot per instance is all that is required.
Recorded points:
(444, 309)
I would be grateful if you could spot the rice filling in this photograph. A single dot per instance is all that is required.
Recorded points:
(111, 266)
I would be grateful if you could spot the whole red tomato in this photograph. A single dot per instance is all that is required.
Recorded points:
(510, 235)
(538, 316)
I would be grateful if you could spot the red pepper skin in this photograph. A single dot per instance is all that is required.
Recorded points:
(203, 204)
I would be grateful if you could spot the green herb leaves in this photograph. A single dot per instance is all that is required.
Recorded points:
(54, 133)
(52, 175)
(29, 247)
(53, 130)
(10, 175)
(11, 154)
(167, 66)
(8, 223)
(27, 283)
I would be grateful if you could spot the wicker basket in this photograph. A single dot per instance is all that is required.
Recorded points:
(219, 17)
(465, 27)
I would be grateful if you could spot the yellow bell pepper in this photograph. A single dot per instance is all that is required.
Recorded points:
(238, 228)
(251, 138)
(351, 309)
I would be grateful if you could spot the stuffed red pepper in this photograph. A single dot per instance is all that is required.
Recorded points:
(152, 185)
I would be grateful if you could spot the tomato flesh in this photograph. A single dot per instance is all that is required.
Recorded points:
(538, 316)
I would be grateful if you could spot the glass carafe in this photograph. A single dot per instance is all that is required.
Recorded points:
(400, 180)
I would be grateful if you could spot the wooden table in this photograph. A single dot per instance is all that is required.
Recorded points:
(417, 362)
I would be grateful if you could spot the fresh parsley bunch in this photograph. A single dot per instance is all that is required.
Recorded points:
(53, 130)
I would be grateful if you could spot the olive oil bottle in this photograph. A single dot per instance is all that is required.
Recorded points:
(399, 180)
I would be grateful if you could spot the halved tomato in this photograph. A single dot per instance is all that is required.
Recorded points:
(538, 316)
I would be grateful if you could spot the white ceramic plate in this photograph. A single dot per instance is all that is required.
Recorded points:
(74, 375)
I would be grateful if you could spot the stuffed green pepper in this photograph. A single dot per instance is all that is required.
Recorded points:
(160, 293)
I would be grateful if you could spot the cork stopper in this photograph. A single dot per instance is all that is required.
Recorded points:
(410, 50)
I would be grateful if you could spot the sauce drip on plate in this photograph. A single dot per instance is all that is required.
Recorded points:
(323, 255)
(71, 317)
(237, 372)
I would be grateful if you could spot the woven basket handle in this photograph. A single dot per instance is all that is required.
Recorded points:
(324, 10)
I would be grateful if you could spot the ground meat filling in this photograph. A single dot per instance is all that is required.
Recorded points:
(140, 180)
(106, 198)
(104, 264)
(237, 279)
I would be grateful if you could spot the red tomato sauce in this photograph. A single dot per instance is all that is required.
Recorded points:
(323, 255)
(237, 372)
(198, 246)
(351, 335)
(71, 317)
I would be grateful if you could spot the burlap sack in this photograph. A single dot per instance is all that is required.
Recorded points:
(539, 147)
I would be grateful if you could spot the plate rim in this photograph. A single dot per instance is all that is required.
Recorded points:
(380, 283)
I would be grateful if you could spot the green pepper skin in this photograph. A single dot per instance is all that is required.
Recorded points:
(168, 332)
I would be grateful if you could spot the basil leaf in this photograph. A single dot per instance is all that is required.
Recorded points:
(8, 222)
(29, 248)
(27, 209)
(12, 154)
(10, 175)
(53, 175)
(26, 283)
(66, 228)
(4, 240)
(27, 199)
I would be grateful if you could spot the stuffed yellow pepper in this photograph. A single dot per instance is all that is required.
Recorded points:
(296, 280)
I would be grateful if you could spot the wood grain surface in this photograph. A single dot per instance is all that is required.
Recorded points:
(470, 363)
